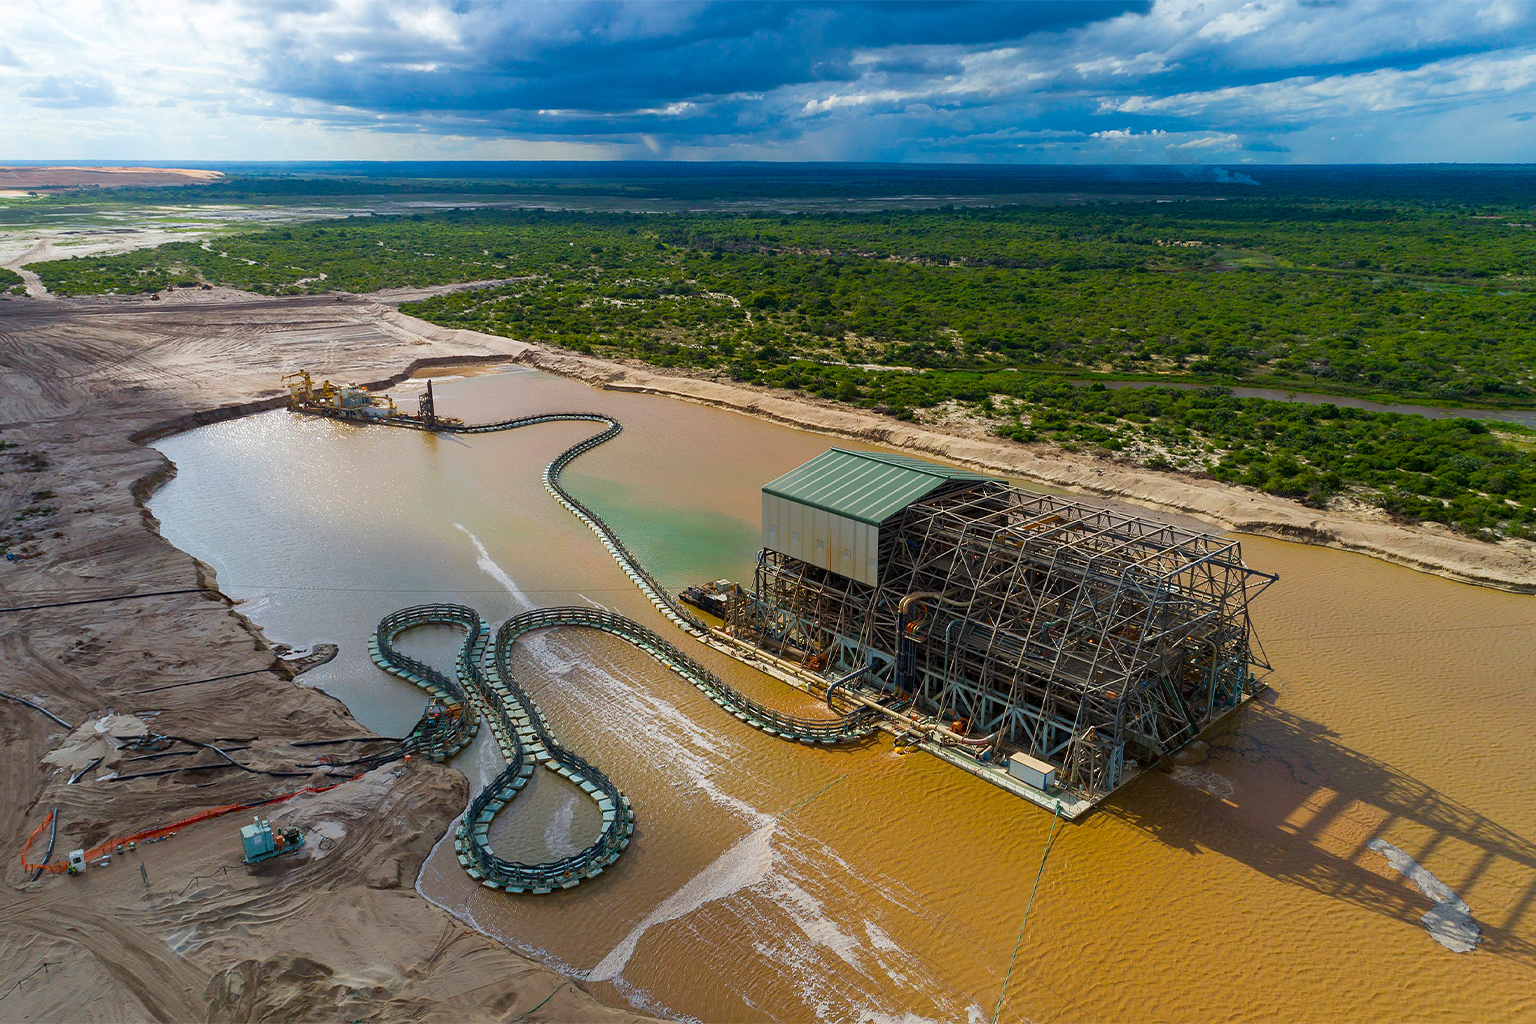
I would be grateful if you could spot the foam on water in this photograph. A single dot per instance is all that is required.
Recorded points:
(488, 566)
(776, 882)
(835, 967)
(1449, 921)
(621, 701)
(557, 834)
(1205, 780)
(467, 916)
(748, 863)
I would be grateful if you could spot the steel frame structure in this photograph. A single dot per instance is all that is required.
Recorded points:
(1080, 635)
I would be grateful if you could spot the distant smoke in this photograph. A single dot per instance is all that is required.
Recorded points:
(1220, 175)
(1227, 177)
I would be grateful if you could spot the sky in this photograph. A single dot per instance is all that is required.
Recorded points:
(1144, 81)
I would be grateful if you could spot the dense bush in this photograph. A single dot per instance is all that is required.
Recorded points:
(993, 308)
(1341, 299)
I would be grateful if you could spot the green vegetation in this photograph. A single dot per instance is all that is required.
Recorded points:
(1213, 291)
(1459, 472)
(991, 309)
(12, 283)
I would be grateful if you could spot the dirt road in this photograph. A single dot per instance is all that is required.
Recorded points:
(43, 250)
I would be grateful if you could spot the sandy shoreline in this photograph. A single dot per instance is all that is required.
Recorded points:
(335, 933)
(1508, 565)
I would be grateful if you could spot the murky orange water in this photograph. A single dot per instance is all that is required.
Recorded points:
(773, 881)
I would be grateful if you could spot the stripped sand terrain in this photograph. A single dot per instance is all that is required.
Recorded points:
(338, 932)
(38, 179)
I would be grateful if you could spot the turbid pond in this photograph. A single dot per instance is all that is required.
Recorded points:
(1287, 876)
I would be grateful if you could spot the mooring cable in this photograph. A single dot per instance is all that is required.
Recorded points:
(1049, 839)
(524, 1015)
(53, 832)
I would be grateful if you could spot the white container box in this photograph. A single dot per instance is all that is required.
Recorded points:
(1032, 771)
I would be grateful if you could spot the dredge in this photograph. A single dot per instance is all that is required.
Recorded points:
(1052, 648)
(351, 402)
(1056, 647)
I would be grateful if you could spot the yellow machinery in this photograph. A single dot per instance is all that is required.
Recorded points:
(301, 389)
(346, 401)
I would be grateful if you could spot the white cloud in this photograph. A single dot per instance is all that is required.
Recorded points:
(1460, 81)
(1188, 79)
(1226, 140)
(1126, 135)
(1241, 21)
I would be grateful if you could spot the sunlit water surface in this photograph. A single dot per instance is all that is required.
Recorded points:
(773, 881)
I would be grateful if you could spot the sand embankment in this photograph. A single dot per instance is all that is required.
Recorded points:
(1508, 565)
(24, 179)
(336, 933)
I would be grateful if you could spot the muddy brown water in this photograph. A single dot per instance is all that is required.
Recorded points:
(773, 881)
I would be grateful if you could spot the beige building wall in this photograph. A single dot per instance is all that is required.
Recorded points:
(844, 546)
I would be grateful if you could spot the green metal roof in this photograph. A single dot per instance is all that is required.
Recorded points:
(867, 486)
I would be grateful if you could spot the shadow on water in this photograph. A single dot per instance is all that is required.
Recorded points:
(1309, 806)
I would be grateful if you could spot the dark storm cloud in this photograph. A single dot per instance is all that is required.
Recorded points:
(1189, 81)
(630, 59)
(880, 80)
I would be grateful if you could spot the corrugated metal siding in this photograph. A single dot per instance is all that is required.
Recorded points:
(845, 546)
(868, 487)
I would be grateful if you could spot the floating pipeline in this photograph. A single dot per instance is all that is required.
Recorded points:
(451, 719)
(523, 736)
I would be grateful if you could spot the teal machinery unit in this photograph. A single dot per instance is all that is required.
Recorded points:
(261, 843)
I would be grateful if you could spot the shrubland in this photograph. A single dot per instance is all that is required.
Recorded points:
(997, 309)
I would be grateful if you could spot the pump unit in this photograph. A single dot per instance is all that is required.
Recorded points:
(261, 843)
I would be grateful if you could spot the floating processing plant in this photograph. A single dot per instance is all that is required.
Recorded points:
(1034, 629)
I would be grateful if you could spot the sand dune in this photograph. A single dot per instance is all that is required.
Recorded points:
(24, 179)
